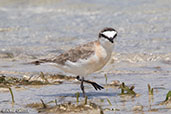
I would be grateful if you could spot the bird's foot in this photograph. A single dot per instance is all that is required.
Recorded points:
(94, 84)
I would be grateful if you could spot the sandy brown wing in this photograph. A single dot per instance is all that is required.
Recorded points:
(80, 52)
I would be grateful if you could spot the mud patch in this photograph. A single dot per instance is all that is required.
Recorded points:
(34, 80)
(65, 108)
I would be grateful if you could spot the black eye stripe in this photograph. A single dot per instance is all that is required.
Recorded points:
(110, 39)
(115, 35)
(104, 36)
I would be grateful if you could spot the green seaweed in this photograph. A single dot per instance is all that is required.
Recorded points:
(14, 81)
(43, 77)
(85, 100)
(68, 107)
(168, 96)
(56, 102)
(44, 105)
(9, 55)
(109, 102)
(12, 95)
(150, 90)
(129, 91)
(105, 78)
(2, 79)
(77, 97)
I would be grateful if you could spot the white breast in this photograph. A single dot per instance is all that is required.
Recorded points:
(94, 63)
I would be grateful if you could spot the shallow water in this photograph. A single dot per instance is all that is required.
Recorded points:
(43, 28)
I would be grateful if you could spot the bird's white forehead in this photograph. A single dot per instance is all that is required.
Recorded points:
(109, 34)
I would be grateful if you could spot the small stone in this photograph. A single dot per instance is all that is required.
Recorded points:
(115, 83)
(137, 108)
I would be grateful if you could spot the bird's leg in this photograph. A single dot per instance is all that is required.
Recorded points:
(82, 86)
(94, 84)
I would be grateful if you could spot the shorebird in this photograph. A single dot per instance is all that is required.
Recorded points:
(87, 58)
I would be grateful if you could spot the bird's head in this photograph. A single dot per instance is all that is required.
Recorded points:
(108, 34)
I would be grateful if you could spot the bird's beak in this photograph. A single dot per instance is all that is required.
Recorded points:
(111, 39)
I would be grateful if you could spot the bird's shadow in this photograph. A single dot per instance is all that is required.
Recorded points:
(89, 94)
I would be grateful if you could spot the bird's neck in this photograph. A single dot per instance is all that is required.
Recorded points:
(108, 46)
